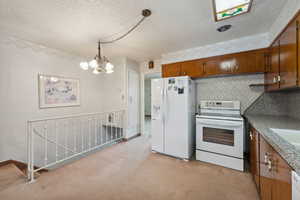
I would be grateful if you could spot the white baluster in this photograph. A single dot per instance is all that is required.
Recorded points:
(106, 128)
(29, 132)
(46, 143)
(89, 133)
(118, 125)
(56, 141)
(101, 136)
(75, 135)
(95, 131)
(66, 139)
(81, 133)
(32, 157)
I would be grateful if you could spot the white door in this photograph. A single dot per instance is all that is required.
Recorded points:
(176, 117)
(157, 128)
(133, 104)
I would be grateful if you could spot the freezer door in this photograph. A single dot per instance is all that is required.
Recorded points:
(157, 116)
(176, 117)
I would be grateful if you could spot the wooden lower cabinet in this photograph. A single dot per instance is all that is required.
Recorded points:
(282, 188)
(254, 156)
(275, 174)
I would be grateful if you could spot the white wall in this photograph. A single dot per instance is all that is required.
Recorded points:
(134, 66)
(144, 69)
(289, 10)
(221, 48)
(113, 86)
(20, 64)
(147, 98)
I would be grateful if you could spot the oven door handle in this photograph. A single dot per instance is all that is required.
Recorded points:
(221, 123)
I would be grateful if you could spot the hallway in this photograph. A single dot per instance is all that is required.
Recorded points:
(129, 171)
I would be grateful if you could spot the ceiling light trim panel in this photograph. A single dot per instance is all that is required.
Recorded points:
(220, 48)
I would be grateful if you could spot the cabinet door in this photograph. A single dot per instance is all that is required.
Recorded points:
(266, 175)
(254, 156)
(272, 73)
(288, 57)
(211, 67)
(298, 56)
(230, 64)
(261, 60)
(282, 187)
(171, 70)
(192, 69)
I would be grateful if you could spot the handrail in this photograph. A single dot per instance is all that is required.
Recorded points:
(51, 141)
(73, 116)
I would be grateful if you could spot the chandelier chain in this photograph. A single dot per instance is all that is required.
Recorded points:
(125, 34)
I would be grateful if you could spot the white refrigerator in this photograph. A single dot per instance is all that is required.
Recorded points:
(173, 116)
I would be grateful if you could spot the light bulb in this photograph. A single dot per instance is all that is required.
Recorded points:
(109, 66)
(95, 71)
(109, 71)
(84, 65)
(53, 79)
(93, 64)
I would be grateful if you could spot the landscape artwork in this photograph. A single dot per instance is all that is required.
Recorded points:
(55, 91)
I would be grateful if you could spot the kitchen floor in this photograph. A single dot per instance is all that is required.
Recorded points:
(129, 171)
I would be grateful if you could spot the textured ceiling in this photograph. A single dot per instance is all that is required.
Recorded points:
(75, 26)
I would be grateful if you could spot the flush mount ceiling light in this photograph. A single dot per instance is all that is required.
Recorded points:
(224, 9)
(100, 63)
(224, 28)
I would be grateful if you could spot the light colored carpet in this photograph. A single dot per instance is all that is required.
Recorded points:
(10, 176)
(129, 171)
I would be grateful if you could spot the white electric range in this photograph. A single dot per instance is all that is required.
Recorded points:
(220, 134)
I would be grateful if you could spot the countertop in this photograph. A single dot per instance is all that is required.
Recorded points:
(263, 123)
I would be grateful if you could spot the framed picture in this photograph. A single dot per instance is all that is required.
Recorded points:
(56, 91)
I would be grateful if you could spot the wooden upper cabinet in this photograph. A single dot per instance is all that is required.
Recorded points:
(298, 56)
(272, 71)
(211, 67)
(171, 70)
(192, 69)
(288, 57)
(254, 156)
(237, 63)
(230, 64)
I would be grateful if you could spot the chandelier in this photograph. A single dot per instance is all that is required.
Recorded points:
(101, 63)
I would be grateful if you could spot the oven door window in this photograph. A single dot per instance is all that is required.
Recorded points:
(218, 136)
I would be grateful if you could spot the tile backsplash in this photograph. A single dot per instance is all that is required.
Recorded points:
(285, 103)
(230, 88)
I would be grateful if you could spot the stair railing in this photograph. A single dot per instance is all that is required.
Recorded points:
(56, 140)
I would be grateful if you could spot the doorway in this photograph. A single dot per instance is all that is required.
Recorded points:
(133, 104)
(147, 101)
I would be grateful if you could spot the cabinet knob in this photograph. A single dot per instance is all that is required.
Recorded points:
(270, 165)
(266, 158)
(251, 135)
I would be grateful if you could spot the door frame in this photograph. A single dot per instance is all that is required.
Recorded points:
(129, 70)
(142, 99)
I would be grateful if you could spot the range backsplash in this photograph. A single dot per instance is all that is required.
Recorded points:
(230, 88)
(283, 103)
